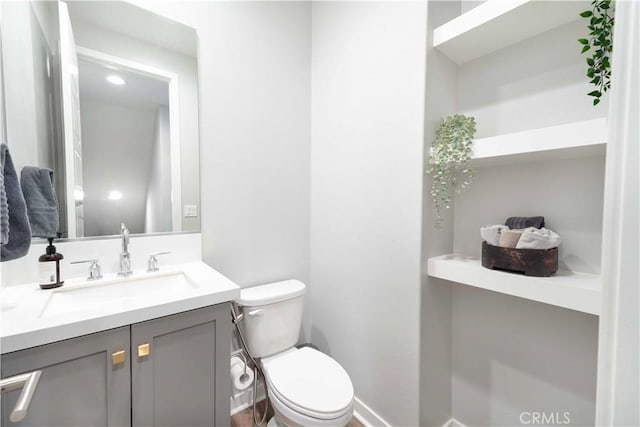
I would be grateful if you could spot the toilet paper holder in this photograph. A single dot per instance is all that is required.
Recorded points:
(244, 375)
(241, 376)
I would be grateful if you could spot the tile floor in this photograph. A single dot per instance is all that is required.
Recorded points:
(244, 418)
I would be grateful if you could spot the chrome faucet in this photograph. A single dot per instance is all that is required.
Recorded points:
(125, 258)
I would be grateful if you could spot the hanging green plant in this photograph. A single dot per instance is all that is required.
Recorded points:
(449, 160)
(600, 43)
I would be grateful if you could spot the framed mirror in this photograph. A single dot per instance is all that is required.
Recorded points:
(105, 95)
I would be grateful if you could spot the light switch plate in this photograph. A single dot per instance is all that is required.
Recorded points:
(190, 211)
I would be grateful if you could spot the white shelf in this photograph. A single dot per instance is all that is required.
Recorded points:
(496, 24)
(573, 139)
(575, 291)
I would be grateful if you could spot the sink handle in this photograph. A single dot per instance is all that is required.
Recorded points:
(94, 269)
(152, 263)
(28, 383)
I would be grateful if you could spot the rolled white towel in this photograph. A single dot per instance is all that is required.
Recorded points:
(491, 233)
(509, 238)
(533, 238)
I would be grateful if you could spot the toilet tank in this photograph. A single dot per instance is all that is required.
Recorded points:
(272, 316)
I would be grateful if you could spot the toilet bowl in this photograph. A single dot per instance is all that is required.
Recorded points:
(308, 388)
(305, 386)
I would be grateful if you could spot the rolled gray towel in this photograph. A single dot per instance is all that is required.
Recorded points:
(517, 222)
(42, 204)
(19, 229)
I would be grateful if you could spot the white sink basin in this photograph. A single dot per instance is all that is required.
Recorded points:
(30, 316)
(115, 292)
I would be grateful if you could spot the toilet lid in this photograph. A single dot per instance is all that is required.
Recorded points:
(310, 382)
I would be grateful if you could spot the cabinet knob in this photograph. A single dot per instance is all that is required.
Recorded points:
(143, 350)
(118, 357)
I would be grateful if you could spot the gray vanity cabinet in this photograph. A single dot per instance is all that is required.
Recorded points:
(79, 386)
(171, 371)
(180, 369)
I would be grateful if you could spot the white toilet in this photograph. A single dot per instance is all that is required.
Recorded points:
(305, 387)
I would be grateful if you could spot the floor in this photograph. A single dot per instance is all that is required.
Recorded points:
(244, 418)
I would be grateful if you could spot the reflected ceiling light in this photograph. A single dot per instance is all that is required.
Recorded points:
(78, 195)
(115, 195)
(115, 80)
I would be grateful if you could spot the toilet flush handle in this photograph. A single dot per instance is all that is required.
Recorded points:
(256, 312)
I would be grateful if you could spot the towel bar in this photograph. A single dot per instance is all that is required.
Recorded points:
(26, 382)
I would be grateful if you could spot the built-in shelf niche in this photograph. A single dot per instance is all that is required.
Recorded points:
(497, 24)
(569, 140)
(575, 291)
(486, 29)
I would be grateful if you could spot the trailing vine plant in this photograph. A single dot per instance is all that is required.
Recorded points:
(449, 160)
(600, 43)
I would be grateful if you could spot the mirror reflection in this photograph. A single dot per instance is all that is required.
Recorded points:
(104, 94)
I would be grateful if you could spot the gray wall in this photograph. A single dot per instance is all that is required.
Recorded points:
(368, 66)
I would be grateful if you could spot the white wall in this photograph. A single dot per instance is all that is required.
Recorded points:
(28, 85)
(368, 68)
(158, 203)
(435, 319)
(512, 356)
(618, 357)
(43, 86)
(254, 86)
(116, 155)
(255, 69)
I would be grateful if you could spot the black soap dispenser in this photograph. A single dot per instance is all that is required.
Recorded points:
(49, 268)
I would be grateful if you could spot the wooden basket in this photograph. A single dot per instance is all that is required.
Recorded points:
(531, 262)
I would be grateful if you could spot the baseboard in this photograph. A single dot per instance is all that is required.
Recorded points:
(367, 416)
(453, 423)
(244, 399)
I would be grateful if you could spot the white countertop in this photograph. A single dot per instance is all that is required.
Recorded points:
(29, 317)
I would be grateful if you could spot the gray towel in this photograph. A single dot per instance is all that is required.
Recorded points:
(517, 222)
(4, 207)
(40, 196)
(19, 230)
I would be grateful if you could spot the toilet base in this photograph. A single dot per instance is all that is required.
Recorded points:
(284, 417)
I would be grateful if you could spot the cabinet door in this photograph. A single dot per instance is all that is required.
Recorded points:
(180, 369)
(79, 385)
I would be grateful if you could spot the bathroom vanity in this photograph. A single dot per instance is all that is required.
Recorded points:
(148, 350)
